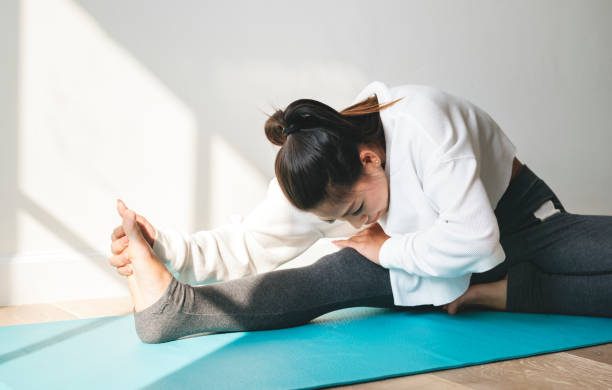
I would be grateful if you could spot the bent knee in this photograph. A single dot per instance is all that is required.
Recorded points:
(346, 253)
(345, 257)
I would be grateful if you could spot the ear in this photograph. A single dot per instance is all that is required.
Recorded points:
(369, 158)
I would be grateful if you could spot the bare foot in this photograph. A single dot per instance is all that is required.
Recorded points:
(472, 294)
(492, 295)
(150, 277)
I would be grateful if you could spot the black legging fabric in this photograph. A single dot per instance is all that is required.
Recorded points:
(558, 264)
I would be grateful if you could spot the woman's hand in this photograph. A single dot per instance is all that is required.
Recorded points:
(367, 242)
(119, 241)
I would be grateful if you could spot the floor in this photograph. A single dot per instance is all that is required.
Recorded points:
(584, 368)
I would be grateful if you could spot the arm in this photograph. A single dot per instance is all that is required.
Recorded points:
(269, 236)
(465, 237)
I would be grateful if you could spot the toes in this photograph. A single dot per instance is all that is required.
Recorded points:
(454, 306)
(450, 308)
(121, 207)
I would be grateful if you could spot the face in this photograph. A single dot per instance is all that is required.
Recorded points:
(369, 199)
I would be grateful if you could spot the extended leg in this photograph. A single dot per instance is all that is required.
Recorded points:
(271, 300)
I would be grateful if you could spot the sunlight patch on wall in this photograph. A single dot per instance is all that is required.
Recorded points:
(95, 125)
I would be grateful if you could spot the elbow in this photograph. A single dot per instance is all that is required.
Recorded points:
(488, 243)
(484, 250)
(477, 257)
(491, 255)
(497, 253)
(492, 247)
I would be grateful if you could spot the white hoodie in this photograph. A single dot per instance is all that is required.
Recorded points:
(448, 164)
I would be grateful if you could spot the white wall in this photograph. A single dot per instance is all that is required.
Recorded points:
(158, 103)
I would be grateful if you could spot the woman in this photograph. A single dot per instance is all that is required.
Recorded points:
(452, 218)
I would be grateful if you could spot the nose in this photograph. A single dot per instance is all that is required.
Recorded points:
(358, 222)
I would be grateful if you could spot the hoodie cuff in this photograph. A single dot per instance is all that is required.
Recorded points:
(160, 246)
(393, 255)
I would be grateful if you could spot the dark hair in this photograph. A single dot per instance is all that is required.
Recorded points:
(320, 160)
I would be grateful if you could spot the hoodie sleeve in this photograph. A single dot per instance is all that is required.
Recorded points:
(273, 233)
(464, 238)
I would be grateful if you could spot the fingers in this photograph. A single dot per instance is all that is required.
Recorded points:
(122, 263)
(117, 246)
(119, 260)
(126, 270)
(119, 242)
(121, 207)
(140, 219)
(341, 243)
(118, 232)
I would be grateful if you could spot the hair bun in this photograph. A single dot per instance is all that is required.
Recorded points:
(274, 128)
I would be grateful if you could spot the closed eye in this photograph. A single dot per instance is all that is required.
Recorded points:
(355, 213)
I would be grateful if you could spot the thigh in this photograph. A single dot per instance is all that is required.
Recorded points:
(566, 243)
(348, 275)
(535, 226)
(341, 279)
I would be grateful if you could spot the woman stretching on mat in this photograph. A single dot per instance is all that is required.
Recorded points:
(438, 210)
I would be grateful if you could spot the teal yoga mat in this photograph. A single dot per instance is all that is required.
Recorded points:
(345, 346)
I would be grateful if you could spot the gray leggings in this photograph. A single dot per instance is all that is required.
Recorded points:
(559, 263)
